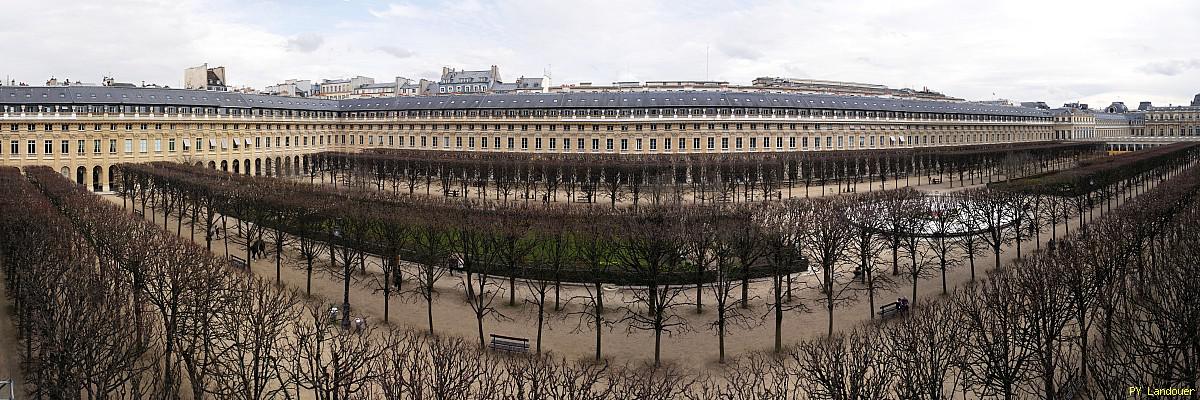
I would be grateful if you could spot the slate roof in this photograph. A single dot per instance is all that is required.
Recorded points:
(155, 96)
(690, 99)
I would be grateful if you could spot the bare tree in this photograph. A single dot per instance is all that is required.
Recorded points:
(650, 255)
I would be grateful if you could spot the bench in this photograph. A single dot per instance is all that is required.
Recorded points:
(139, 213)
(238, 262)
(452, 193)
(890, 309)
(935, 180)
(509, 344)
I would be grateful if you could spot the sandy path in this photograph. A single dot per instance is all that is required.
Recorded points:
(10, 360)
(695, 348)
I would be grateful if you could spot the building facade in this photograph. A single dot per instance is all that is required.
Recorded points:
(336, 89)
(204, 78)
(84, 131)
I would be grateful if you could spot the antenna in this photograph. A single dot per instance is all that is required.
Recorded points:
(706, 62)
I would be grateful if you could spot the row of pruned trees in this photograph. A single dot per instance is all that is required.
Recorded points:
(1102, 308)
(675, 258)
(681, 178)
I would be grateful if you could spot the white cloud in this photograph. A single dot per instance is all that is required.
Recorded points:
(1021, 50)
(394, 10)
(397, 51)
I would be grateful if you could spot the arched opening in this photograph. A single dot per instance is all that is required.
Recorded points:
(246, 166)
(305, 165)
(287, 166)
(97, 186)
(237, 166)
(296, 166)
(269, 170)
(112, 176)
(66, 172)
(225, 165)
(257, 167)
(80, 175)
(278, 167)
(212, 165)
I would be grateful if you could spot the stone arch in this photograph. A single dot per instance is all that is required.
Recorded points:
(278, 167)
(97, 173)
(304, 166)
(257, 167)
(287, 166)
(269, 170)
(212, 165)
(237, 164)
(296, 165)
(66, 172)
(246, 167)
(225, 165)
(81, 175)
(112, 176)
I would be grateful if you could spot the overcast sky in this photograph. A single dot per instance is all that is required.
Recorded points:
(1053, 51)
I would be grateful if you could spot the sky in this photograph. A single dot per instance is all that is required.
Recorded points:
(1054, 51)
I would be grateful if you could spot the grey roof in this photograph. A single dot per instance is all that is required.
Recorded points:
(1111, 116)
(699, 99)
(155, 96)
(678, 99)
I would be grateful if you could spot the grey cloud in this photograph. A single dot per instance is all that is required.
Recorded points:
(305, 42)
(397, 51)
(742, 52)
(1170, 67)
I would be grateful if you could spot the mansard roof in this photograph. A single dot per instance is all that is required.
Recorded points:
(682, 99)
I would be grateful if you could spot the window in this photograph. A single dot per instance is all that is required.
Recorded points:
(16, 147)
(50, 147)
(81, 147)
(32, 147)
(510, 142)
(725, 143)
(711, 143)
(158, 145)
(96, 146)
(128, 145)
(171, 145)
(608, 144)
(653, 143)
(624, 144)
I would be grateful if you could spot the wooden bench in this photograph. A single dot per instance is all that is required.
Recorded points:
(890, 309)
(509, 344)
(935, 180)
(451, 193)
(238, 262)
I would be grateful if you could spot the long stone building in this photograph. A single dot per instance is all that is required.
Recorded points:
(84, 131)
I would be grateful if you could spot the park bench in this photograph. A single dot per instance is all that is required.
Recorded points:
(509, 344)
(139, 213)
(7, 386)
(452, 193)
(890, 309)
(935, 181)
(238, 262)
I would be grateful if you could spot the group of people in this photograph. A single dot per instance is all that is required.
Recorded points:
(359, 323)
(902, 304)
